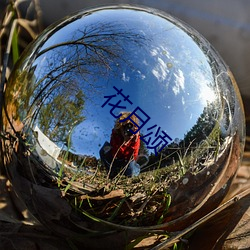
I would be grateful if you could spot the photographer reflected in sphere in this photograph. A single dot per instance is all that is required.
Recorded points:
(120, 155)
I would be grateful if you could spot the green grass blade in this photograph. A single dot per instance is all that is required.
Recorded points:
(116, 210)
(70, 184)
(168, 203)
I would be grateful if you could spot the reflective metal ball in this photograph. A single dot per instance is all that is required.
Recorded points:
(119, 120)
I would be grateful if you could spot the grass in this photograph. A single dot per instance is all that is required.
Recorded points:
(144, 200)
(103, 198)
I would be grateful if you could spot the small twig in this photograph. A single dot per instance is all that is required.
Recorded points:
(141, 208)
(177, 237)
(6, 21)
(111, 164)
(39, 14)
(27, 24)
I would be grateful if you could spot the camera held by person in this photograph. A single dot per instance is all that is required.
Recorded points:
(119, 156)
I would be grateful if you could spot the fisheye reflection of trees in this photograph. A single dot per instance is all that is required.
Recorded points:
(58, 95)
(200, 144)
(63, 77)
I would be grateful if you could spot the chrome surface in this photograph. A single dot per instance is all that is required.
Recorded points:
(69, 87)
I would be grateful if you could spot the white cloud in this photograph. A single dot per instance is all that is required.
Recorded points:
(179, 82)
(154, 52)
(183, 100)
(206, 93)
(142, 76)
(161, 70)
(125, 78)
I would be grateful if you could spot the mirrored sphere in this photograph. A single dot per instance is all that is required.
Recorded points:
(119, 120)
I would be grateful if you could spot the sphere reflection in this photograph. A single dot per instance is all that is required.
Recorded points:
(121, 110)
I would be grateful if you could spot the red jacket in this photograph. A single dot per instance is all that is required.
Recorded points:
(126, 151)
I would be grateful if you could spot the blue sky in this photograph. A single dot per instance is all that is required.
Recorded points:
(167, 75)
